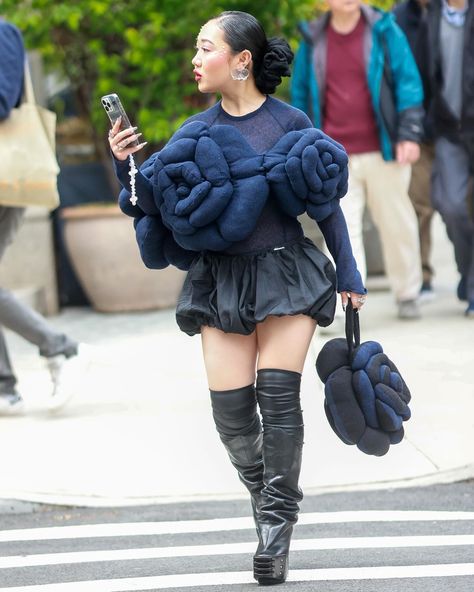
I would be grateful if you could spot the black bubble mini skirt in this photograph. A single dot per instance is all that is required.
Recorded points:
(235, 292)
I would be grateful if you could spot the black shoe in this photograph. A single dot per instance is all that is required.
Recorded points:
(240, 430)
(462, 289)
(427, 294)
(279, 401)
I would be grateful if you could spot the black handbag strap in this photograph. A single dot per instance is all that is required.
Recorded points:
(352, 329)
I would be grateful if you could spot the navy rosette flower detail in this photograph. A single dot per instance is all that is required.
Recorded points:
(158, 249)
(156, 243)
(307, 171)
(209, 192)
(366, 398)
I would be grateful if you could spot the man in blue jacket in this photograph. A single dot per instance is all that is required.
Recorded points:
(59, 349)
(356, 77)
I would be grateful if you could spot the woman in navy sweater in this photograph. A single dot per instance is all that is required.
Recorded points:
(256, 287)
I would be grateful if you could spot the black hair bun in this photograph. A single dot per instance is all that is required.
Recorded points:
(276, 63)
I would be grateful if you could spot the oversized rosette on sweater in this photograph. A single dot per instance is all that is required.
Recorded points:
(210, 192)
(157, 246)
(156, 243)
(307, 171)
(366, 398)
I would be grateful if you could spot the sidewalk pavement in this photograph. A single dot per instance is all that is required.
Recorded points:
(140, 430)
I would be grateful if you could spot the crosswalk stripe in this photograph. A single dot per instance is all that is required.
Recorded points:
(240, 577)
(325, 544)
(219, 524)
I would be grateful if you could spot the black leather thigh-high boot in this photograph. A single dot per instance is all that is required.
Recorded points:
(278, 395)
(238, 424)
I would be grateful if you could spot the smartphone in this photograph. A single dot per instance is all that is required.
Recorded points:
(114, 110)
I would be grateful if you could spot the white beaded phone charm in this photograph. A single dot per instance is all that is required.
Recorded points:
(133, 173)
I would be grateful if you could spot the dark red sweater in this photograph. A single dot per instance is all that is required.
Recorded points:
(348, 113)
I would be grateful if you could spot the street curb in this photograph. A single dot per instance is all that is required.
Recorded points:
(9, 498)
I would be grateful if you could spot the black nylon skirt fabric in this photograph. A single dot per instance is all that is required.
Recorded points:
(235, 292)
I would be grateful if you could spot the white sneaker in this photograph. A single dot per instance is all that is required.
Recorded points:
(67, 375)
(11, 404)
(408, 310)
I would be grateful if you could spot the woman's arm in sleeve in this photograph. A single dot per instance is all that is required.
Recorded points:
(143, 186)
(334, 229)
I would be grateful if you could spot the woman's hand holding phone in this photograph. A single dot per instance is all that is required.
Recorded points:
(120, 141)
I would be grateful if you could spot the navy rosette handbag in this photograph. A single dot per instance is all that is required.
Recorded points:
(366, 398)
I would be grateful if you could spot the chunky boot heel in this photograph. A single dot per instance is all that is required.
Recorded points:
(269, 571)
(279, 401)
(240, 430)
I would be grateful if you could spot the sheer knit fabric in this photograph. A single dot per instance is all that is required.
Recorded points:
(262, 129)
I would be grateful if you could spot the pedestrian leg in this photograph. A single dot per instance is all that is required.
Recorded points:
(395, 218)
(450, 195)
(420, 195)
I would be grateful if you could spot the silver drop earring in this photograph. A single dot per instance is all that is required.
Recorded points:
(241, 74)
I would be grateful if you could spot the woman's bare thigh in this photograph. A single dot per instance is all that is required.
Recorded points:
(229, 358)
(283, 342)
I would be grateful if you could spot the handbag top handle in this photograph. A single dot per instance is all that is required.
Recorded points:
(28, 91)
(352, 329)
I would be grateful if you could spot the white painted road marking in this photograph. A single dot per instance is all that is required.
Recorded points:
(243, 577)
(323, 544)
(128, 529)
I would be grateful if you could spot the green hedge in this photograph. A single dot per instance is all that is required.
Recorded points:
(141, 49)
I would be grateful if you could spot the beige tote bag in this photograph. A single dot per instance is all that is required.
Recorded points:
(28, 165)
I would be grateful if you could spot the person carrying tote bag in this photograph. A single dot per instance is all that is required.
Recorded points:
(28, 165)
(28, 170)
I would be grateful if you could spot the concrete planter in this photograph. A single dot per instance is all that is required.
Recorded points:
(28, 266)
(101, 244)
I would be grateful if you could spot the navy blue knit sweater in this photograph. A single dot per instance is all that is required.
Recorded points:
(262, 129)
(12, 58)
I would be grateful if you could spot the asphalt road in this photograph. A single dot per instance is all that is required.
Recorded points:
(398, 540)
